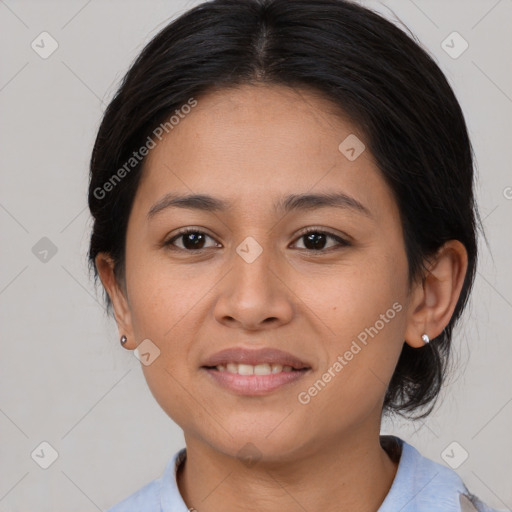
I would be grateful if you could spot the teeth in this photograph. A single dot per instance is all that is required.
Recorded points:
(232, 368)
(262, 369)
(245, 369)
(249, 369)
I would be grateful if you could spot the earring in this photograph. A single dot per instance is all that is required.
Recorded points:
(425, 338)
(123, 340)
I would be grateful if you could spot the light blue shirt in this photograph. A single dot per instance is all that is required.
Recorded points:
(420, 485)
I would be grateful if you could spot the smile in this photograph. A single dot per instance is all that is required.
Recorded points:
(249, 380)
(249, 369)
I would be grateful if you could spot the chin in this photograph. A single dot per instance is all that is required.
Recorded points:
(263, 442)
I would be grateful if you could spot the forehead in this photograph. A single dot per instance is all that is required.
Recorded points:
(244, 143)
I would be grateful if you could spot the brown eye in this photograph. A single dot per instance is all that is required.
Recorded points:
(191, 240)
(315, 240)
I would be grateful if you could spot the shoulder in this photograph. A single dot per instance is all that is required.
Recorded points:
(422, 485)
(145, 499)
(158, 495)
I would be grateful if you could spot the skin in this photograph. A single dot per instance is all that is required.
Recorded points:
(251, 146)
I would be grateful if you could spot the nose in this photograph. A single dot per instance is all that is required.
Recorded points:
(254, 295)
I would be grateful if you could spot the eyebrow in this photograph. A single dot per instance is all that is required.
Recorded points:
(286, 204)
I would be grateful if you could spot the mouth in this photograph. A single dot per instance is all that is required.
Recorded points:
(258, 369)
(241, 382)
(254, 372)
(266, 360)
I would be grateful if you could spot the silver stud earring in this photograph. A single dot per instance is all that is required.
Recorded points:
(425, 338)
(123, 340)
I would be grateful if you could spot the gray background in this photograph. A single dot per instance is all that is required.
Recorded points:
(64, 377)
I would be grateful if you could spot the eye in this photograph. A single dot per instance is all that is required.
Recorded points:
(192, 240)
(315, 240)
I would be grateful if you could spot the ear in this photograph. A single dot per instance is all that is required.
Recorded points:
(433, 299)
(118, 296)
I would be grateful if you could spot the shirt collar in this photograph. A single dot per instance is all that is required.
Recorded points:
(170, 497)
(418, 483)
(422, 484)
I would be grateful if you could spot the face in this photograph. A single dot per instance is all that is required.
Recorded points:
(324, 282)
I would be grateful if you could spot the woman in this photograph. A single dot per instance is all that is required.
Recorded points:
(285, 229)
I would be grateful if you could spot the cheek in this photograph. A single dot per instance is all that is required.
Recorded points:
(161, 295)
(364, 308)
(354, 297)
(162, 306)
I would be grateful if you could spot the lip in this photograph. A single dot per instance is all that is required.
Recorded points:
(253, 357)
(254, 385)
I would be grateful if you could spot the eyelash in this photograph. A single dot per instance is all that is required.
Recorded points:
(341, 241)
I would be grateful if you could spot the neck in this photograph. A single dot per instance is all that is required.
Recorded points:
(353, 473)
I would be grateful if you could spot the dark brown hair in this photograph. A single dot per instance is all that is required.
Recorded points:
(380, 77)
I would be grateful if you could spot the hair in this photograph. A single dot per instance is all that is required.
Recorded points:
(379, 76)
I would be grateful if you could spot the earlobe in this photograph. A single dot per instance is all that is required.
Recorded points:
(122, 313)
(434, 298)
